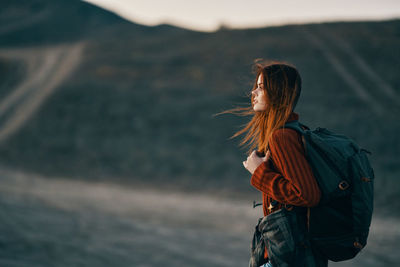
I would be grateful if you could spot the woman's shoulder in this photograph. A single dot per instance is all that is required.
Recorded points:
(284, 133)
(285, 137)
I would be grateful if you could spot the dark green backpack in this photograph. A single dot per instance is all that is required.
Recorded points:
(339, 226)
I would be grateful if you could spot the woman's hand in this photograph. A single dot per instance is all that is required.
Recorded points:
(253, 161)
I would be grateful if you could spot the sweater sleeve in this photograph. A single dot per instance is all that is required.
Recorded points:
(291, 180)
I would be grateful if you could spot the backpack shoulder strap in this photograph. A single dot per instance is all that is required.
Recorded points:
(297, 126)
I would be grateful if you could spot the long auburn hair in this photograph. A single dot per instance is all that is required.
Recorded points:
(282, 88)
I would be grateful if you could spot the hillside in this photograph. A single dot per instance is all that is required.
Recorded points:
(136, 105)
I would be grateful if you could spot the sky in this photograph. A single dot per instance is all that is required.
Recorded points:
(209, 15)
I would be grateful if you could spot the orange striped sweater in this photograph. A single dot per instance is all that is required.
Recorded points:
(287, 177)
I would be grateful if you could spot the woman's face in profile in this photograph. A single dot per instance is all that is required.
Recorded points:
(259, 103)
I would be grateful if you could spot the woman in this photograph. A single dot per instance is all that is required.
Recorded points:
(279, 168)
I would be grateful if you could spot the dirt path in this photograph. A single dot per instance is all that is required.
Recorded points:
(340, 68)
(47, 67)
(362, 65)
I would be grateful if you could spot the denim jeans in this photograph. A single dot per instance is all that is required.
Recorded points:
(268, 264)
(283, 232)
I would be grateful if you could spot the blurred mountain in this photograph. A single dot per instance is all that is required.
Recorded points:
(88, 95)
(32, 22)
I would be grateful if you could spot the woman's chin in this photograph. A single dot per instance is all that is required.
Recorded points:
(258, 107)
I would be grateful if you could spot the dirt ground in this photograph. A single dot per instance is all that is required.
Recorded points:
(60, 222)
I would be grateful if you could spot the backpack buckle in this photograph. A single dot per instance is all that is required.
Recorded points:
(357, 244)
(343, 185)
(365, 179)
